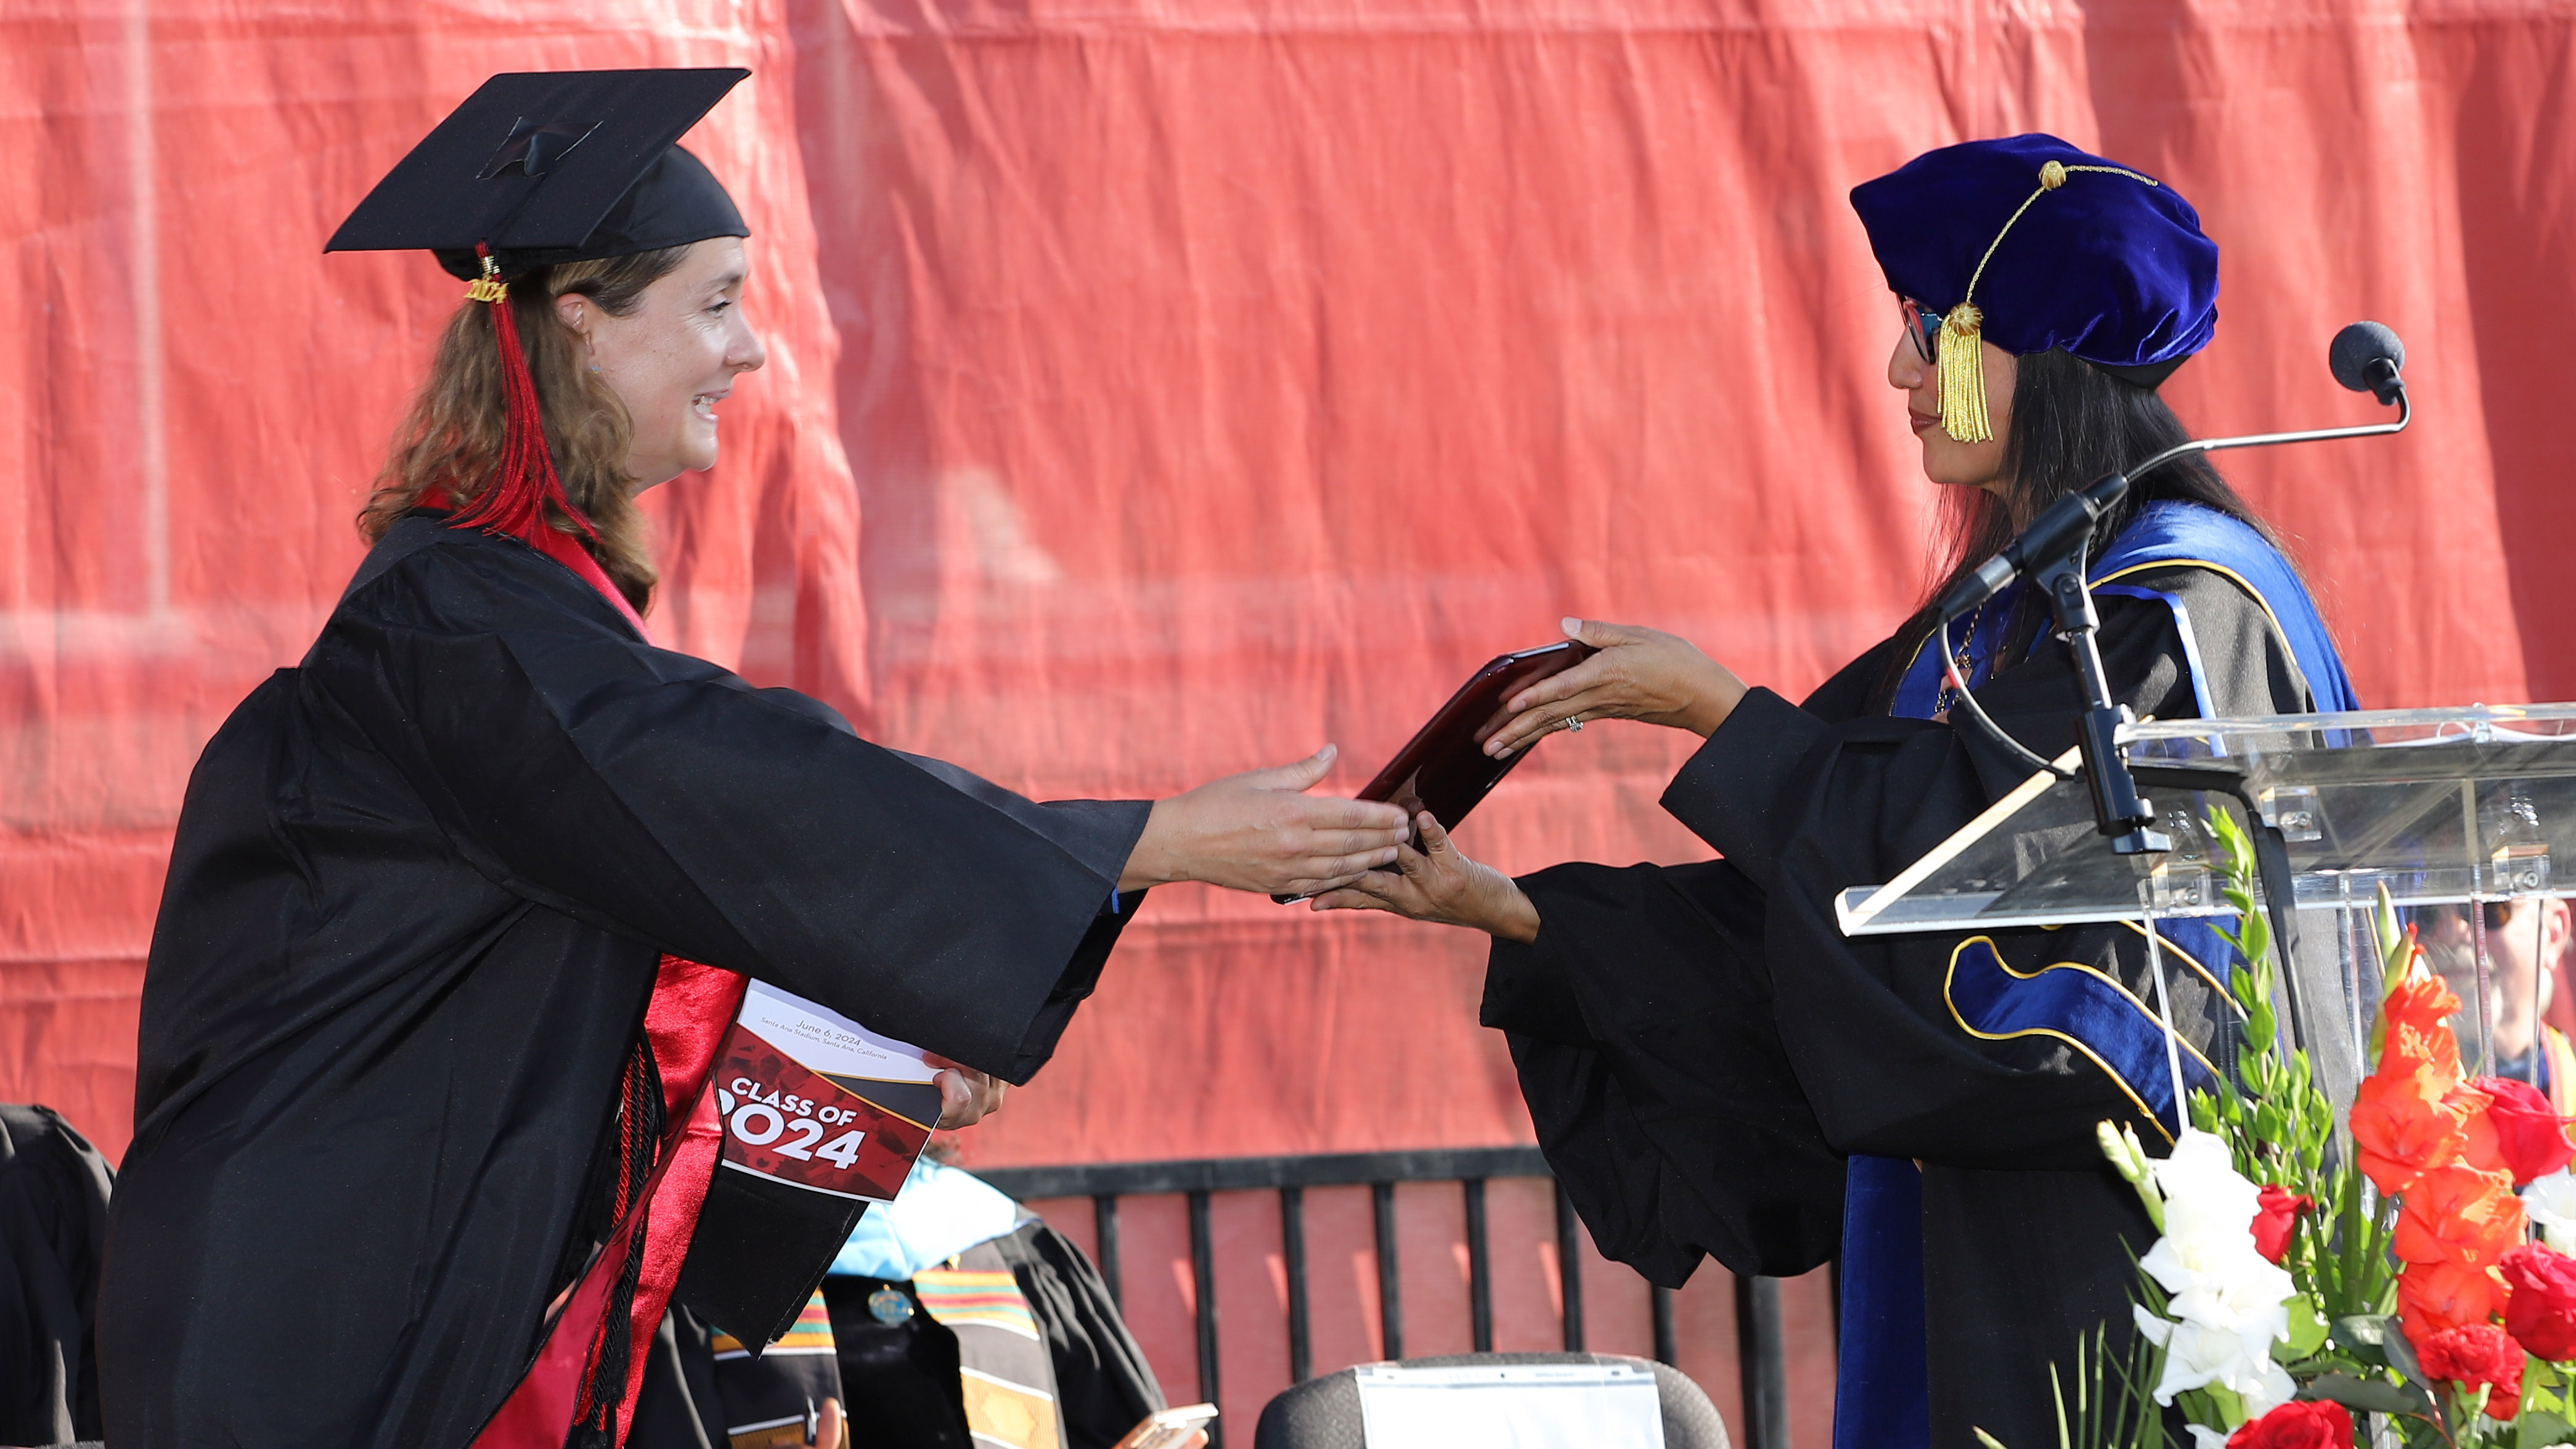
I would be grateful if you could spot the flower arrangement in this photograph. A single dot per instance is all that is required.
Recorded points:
(2294, 1292)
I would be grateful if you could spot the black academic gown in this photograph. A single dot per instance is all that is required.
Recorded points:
(1701, 1046)
(418, 893)
(54, 1191)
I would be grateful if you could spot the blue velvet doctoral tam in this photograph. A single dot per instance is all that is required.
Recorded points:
(2110, 266)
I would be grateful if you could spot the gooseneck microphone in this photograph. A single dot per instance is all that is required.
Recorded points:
(2054, 534)
(2365, 357)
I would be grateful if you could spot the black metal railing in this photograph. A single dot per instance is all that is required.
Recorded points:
(1760, 1361)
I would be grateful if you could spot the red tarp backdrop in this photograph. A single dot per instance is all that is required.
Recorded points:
(1158, 390)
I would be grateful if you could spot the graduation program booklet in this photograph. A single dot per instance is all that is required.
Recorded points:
(812, 1099)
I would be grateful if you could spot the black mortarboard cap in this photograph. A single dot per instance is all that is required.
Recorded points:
(554, 166)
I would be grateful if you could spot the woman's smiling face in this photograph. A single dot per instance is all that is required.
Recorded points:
(1945, 458)
(673, 359)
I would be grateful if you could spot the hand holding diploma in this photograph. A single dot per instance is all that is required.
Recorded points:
(1633, 673)
(1641, 674)
(1260, 831)
(1438, 884)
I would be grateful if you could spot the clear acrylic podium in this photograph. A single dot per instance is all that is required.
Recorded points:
(2439, 805)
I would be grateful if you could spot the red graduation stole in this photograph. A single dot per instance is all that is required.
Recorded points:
(581, 1389)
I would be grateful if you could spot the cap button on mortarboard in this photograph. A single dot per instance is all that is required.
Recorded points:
(2052, 175)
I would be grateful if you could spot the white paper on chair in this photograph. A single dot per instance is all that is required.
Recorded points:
(1511, 1406)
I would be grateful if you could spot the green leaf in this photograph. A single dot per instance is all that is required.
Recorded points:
(2229, 1405)
(2363, 1335)
(2267, 1123)
(2307, 1331)
(1988, 1440)
(2376, 1395)
(2537, 1428)
(2401, 1356)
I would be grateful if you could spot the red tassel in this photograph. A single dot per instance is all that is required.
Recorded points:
(525, 482)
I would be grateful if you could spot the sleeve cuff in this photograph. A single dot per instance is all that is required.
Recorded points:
(1527, 993)
(1724, 793)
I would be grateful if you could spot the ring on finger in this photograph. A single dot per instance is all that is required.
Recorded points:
(1574, 722)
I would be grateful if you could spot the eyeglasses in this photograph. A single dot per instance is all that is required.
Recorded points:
(1924, 326)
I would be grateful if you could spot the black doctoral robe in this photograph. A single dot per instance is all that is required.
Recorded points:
(419, 890)
(1701, 1046)
(54, 1191)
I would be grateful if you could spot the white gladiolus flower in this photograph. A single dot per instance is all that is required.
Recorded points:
(2229, 1303)
(2204, 1193)
(2551, 1202)
(2196, 1357)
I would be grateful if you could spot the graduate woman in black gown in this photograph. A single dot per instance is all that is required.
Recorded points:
(460, 906)
(1713, 1068)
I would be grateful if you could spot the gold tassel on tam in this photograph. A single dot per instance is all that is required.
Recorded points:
(1963, 376)
(1962, 364)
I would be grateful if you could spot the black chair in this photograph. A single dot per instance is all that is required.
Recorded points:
(1324, 1413)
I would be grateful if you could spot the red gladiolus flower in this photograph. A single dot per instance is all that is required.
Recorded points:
(2410, 1115)
(2297, 1426)
(2479, 1146)
(2475, 1354)
(2460, 1215)
(2542, 1311)
(2530, 1137)
(2276, 1215)
(2434, 1296)
(2404, 1126)
(2413, 1032)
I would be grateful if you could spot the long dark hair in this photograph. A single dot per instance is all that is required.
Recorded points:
(2071, 424)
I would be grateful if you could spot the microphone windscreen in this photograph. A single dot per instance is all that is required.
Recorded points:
(2358, 346)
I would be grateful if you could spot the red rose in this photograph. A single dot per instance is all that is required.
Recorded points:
(2297, 1426)
(2542, 1311)
(2275, 1215)
(2531, 1138)
(2474, 1354)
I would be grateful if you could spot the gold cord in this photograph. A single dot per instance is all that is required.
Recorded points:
(1962, 361)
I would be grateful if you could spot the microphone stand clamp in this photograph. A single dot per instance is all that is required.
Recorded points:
(2118, 810)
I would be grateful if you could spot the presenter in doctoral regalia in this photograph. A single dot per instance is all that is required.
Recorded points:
(1713, 1068)
(460, 907)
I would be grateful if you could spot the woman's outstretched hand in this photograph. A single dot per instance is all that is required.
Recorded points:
(1260, 831)
(1643, 674)
(1436, 883)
